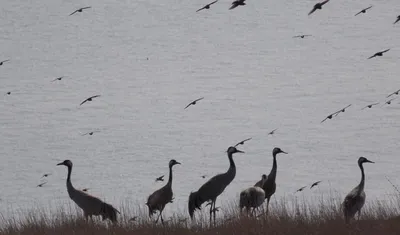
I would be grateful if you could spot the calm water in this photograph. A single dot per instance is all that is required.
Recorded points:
(254, 76)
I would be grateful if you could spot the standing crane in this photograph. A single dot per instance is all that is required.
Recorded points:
(213, 187)
(355, 200)
(157, 200)
(89, 204)
(270, 185)
(253, 197)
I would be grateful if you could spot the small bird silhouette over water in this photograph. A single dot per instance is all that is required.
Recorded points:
(161, 178)
(203, 176)
(57, 79)
(394, 93)
(315, 184)
(207, 6)
(242, 142)
(370, 105)
(336, 113)
(378, 54)
(193, 102)
(302, 36)
(79, 10)
(89, 99)
(389, 101)
(85, 189)
(318, 6)
(41, 184)
(2, 62)
(363, 10)
(272, 132)
(8, 93)
(397, 20)
(300, 189)
(45, 175)
(90, 133)
(237, 3)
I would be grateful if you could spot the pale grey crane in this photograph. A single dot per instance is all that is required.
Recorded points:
(355, 200)
(157, 200)
(213, 187)
(253, 197)
(269, 185)
(89, 204)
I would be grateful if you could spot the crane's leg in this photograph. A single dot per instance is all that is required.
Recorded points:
(211, 210)
(214, 211)
(359, 214)
(268, 205)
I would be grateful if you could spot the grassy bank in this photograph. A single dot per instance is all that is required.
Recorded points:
(296, 217)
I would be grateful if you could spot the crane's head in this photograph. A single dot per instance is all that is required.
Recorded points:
(67, 163)
(277, 150)
(232, 150)
(264, 177)
(362, 160)
(173, 162)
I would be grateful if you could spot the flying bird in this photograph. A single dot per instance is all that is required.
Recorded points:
(394, 93)
(90, 133)
(315, 184)
(336, 113)
(237, 3)
(389, 101)
(318, 6)
(161, 178)
(363, 10)
(89, 99)
(378, 54)
(58, 79)
(2, 62)
(302, 36)
(207, 6)
(242, 142)
(45, 175)
(272, 132)
(79, 10)
(85, 189)
(193, 102)
(397, 20)
(370, 105)
(9, 93)
(203, 176)
(300, 189)
(41, 184)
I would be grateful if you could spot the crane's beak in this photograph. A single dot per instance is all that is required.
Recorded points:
(284, 152)
(61, 163)
(239, 151)
(178, 163)
(369, 161)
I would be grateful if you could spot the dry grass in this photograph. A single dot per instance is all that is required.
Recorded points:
(295, 217)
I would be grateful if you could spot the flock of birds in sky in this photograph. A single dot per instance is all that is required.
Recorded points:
(250, 198)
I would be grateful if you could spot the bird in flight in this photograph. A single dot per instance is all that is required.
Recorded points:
(389, 101)
(161, 178)
(89, 99)
(315, 184)
(336, 113)
(302, 36)
(272, 132)
(363, 10)
(90, 133)
(397, 20)
(79, 10)
(394, 93)
(370, 105)
(237, 3)
(203, 176)
(207, 6)
(58, 79)
(2, 62)
(242, 142)
(378, 54)
(45, 175)
(41, 184)
(300, 189)
(318, 6)
(85, 189)
(9, 93)
(193, 102)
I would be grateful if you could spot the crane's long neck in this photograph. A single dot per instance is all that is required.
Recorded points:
(170, 176)
(272, 174)
(69, 184)
(232, 167)
(362, 182)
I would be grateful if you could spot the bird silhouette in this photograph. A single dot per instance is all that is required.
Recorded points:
(363, 10)
(2, 62)
(237, 3)
(300, 189)
(193, 102)
(370, 105)
(389, 101)
(79, 10)
(318, 6)
(272, 132)
(8, 93)
(58, 79)
(207, 6)
(302, 36)
(45, 175)
(336, 113)
(397, 20)
(315, 184)
(89, 99)
(161, 178)
(378, 54)
(90, 133)
(85, 189)
(394, 93)
(41, 184)
(203, 176)
(242, 142)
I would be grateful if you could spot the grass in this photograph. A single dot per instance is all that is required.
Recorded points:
(285, 217)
